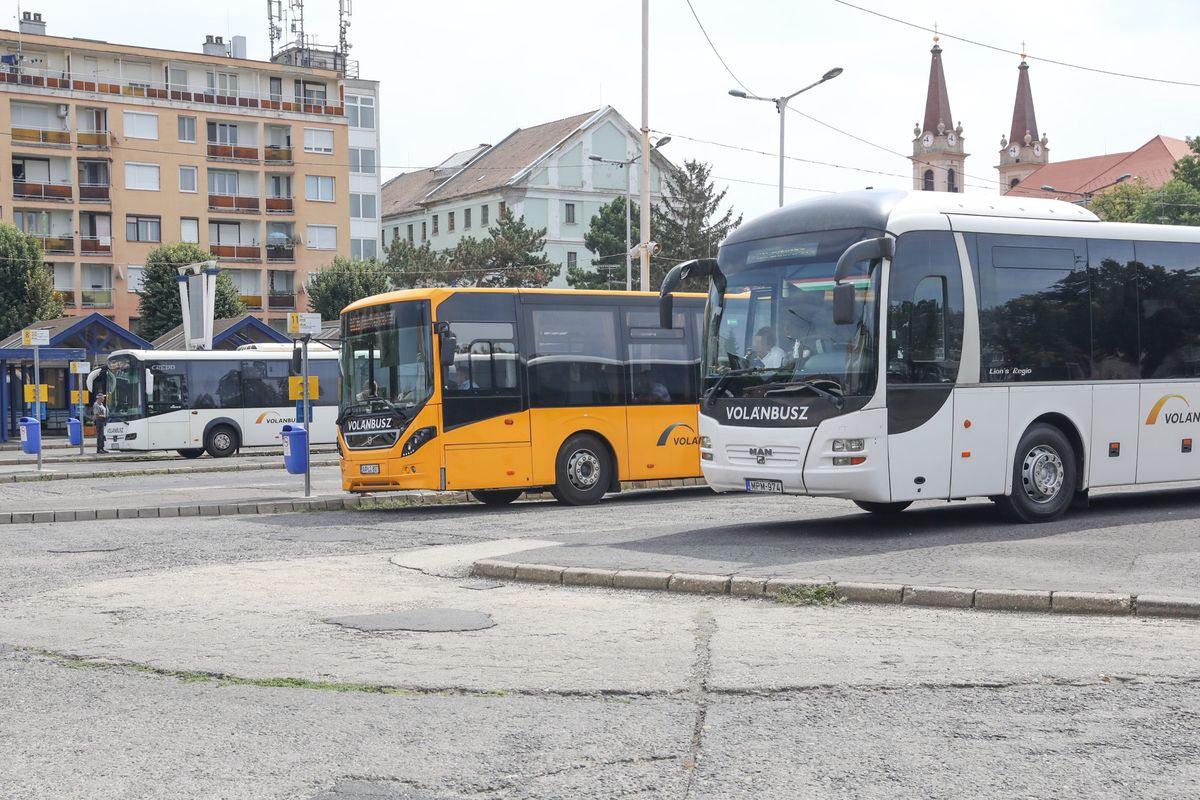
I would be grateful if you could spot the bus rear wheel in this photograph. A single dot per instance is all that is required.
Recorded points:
(1044, 478)
(191, 452)
(883, 509)
(496, 497)
(222, 441)
(583, 471)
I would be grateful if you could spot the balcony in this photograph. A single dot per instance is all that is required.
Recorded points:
(252, 302)
(237, 252)
(65, 296)
(281, 253)
(55, 190)
(96, 298)
(281, 301)
(55, 243)
(95, 246)
(231, 152)
(47, 137)
(93, 140)
(232, 202)
(94, 193)
(280, 205)
(276, 156)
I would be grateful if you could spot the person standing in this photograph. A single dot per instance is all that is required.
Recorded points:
(100, 415)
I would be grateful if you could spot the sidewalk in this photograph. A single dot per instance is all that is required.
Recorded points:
(67, 455)
(102, 468)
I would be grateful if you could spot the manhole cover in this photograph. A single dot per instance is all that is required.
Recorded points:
(480, 586)
(431, 620)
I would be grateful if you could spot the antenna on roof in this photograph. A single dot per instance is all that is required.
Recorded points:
(345, 9)
(275, 22)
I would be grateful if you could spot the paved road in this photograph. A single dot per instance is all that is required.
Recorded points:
(111, 635)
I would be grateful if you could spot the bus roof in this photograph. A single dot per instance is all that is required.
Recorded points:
(218, 355)
(441, 292)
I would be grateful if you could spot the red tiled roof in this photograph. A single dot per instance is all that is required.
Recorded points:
(403, 193)
(1152, 163)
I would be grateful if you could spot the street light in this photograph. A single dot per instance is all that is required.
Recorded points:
(781, 107)
(1087, 196)
(628, 202)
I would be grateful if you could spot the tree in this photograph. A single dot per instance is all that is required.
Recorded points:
(159, 303)
(606, 239)
(411, 267)
(512, 257)
(26, 286)
(1176, 202)
(686, 224)
(343, 282)
(1187, 169)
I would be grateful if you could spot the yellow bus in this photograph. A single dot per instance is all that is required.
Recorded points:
(503, 391)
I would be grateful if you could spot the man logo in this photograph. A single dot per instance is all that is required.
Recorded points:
(1172, 417)
(680, 438)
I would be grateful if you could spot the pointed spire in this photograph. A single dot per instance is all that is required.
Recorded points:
(1024, 121)
(937, 99)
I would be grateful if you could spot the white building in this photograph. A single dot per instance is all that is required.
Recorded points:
(543, 173)
(362, 109)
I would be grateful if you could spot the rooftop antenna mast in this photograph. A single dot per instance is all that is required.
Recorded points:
(275, 22)
(345, 9)
(297, 14)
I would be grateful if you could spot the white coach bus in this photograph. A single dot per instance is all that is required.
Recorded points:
(216, 401)
(887, 347)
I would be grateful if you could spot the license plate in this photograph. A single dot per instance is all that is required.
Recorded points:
(368, 469)
(760, 485)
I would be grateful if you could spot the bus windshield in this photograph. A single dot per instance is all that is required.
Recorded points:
(127, 382)
(386, 351)
(772, 329)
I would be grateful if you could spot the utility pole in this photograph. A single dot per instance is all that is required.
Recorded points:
(645, 182)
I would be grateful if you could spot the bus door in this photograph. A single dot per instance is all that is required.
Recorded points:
(923, 347)
(168, 425)
(662, 384)
(485, 424)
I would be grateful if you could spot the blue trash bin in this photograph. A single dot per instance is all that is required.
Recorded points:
(74, 432)
(31, 435)
(295, 449)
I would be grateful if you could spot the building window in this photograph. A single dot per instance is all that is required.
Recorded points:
(223, 133)
(134, 281)
(435, 224)
(276, 88)
(395, 232)
(141, 176)
(570, 213)
(363, 249)
(928, 181)
(189, 230)
(187, 179)
(187, 129)
(143, 229)
(423, 237)
(483, 215)
(501, 208)
(360, 110)
(178, 78)
(450, 221)
(318, 140)
(319, 187)
(310, 93)
(225, 83)
(1013, 182)
(141, 126)
(466, 219)
(322, 237)
(222, 182)
(362, 206)
(362, 160)
(951, 185)
(572, 259)
(410, 234)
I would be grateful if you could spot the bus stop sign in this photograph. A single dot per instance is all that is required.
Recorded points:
(302, 324)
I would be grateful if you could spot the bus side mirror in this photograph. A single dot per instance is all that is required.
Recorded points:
(149, 383)
(297, 361)
(866, 250)
(843, 304)
(448, 344)
(696, 268)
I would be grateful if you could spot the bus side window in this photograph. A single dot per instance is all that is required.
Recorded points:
(485, 361)
(661, 371)
(214, 384)
(925, 309)
(574, 359)
(326, 370)
(170, 386)
(265, 383)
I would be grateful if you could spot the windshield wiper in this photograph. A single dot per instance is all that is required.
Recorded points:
(779, 387)
(711, 396)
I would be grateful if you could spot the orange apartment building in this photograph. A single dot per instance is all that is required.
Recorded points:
(118, 148)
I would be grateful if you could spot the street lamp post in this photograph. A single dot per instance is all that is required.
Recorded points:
(1087, 196)
(625, 165)
(781, 107)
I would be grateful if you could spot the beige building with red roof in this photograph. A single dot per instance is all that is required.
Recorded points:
(1079, 178)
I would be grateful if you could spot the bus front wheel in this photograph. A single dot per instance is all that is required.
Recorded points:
(221, 441)
(496, 497)
(191, 452)
(1044, 477)
(583, 471)
(883, 509)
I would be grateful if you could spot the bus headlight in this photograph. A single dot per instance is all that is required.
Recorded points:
(848, 461)
(848, 445)
(419, 438)
(705, 443)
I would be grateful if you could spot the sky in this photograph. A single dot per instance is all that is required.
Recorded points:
(457, 74)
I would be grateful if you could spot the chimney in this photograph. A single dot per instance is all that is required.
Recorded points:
(32, 22)
(237, 47)
(214, 46)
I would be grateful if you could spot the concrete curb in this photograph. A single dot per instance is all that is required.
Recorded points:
(37, 477)
(1021, 600)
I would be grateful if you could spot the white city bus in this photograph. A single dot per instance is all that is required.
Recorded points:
(215, 401)
(887, 347)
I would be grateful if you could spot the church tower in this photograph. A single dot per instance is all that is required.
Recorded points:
(1022, 152)
(938, 155)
